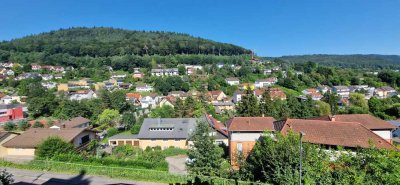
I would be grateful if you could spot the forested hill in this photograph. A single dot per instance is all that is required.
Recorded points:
(350, 61)
(106, 42)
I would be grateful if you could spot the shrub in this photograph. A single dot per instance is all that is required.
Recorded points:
(37, 124)
(9, 126)
(126, 150)
(5, 177)
(53, 146)
(23, 125)
(111, 131)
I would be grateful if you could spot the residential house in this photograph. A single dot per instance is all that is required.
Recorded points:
(133, 98)
(124, 86)
(36, 67)
(216, 96)
(220, 131)
(355, 88)
(191, 69)
(168, 101)
(25, 144)
(237, 96)
(7, 99)
(265, 82)
(49, 85)
(84, 83)
(245, 86)
(313, 93)
(24, 76)
(343, 91)
(221, 107)
(232, 81)
(276, 93)
(267, 71)
(11, 112)
(47, 77)
(324, 89)
(178, 94)
(330, 134)
(77, 122)
(138, 74)
(385, 92)
(124, 139)
(58, 76)
(8, 64)
(144, 88)
(59, 69)
(82, 94)
(149, 101)
(244, 132)
(117, 75)
(166, 132)
(165, 72)
(378, 126)
(4, 137)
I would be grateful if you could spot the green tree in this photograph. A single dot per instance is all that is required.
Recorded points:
(332, 99)
(181, 70)
(323, 108)
(128, 120)
(275, 160)
(358, 100)
(108, 118)
(248, 105)
(205, 157)
(165, 111)
(53, 146)
(267, 105)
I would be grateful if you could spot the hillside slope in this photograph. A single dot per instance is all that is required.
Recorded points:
(104, 42)
(351, 61)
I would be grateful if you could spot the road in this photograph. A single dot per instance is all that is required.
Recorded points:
(176, 164)
(26, 177)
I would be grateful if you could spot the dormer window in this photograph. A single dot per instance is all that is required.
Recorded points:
(161, 129)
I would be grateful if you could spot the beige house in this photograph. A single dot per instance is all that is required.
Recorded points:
(4, 137)
(169, 132)
(25, 144)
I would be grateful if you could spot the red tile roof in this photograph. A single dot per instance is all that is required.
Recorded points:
(133, 95)
(251, 124)
(348, 134)
(217, 125)
(369, 121)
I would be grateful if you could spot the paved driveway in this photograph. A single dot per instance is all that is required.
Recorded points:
(25, 177)
(176, 164)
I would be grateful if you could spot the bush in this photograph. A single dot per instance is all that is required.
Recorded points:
(53, 146)
(23, 125)
(37, 124)
(126, 150)
(111, 131)
(9, 126)
(5, 177)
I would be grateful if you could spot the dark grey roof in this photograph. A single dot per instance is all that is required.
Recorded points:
(124, 136)
(9, 106)
(167, 128)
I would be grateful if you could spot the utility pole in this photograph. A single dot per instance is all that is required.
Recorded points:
(301, 155)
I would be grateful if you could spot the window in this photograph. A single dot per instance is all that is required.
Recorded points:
(239, 148)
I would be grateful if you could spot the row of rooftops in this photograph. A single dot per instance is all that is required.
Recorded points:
(350, 130)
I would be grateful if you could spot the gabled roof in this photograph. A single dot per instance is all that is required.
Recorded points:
(74, 122)
(181, 128)
(34, 136)
(347, 134)
(217, 125)
(369, 121)
(258, 124)
(133, 95)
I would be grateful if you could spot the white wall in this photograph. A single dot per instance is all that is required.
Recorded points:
(77, 139)
(385, 134)
(245, 136)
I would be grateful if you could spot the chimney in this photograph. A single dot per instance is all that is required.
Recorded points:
(333, 118)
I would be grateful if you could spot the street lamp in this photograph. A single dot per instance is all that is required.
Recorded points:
(301, 154)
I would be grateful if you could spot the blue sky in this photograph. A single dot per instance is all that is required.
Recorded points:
(269, 27)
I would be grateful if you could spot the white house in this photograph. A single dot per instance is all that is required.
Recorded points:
(165, 72)
(83, 94)
(343, 91)
(149, 101)
(191, 69)
(265, 82)
(232, 81)
(114, 75)
(47, 77)
(49, 85)
(144, 88)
